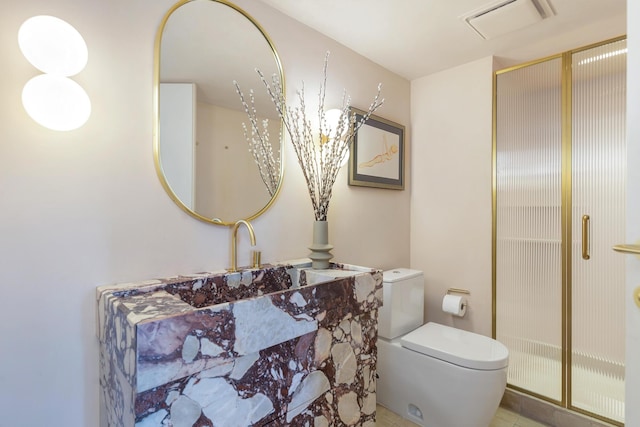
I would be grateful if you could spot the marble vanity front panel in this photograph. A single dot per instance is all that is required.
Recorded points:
(279, 346)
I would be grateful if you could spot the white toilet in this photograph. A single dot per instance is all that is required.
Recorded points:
(434, 375)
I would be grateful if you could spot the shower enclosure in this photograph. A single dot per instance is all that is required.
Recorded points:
(559, 203)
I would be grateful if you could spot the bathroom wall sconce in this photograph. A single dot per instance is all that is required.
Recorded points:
(56, 48)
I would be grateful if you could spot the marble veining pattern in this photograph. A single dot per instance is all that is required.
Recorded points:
(280, 346)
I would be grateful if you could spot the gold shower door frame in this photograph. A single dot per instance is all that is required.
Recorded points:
(566, 212)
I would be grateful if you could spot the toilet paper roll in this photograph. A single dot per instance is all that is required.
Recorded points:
(454, 304)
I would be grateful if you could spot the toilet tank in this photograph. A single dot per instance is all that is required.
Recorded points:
(403, 302)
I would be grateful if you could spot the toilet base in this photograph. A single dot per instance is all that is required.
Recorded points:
(434, 393)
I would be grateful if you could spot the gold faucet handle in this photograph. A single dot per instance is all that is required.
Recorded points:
(256, 259)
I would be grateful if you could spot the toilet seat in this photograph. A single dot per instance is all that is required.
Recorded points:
(457, 346)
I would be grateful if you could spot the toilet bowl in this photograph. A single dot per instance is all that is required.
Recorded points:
(432, 374)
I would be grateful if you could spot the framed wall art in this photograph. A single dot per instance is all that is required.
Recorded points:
(377, 153)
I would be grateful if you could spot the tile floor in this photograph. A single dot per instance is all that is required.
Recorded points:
(503, 418)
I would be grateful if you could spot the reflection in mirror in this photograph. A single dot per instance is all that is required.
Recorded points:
(202, 156)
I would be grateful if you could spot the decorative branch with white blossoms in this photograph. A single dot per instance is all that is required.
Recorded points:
(319, 155)
(259, 145)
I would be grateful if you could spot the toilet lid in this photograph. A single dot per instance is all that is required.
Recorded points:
(457, 346)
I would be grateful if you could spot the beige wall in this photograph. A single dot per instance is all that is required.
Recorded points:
(451, 198)
(85, 208)
(225, 169)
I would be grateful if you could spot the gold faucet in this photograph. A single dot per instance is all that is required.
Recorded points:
(234, 242)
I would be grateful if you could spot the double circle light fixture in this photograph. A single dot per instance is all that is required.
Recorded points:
(57, 49)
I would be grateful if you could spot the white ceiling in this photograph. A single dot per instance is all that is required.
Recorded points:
(415, 38)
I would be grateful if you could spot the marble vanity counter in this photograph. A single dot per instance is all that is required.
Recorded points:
(282, 345)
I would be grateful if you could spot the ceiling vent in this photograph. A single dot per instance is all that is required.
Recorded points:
(505, 16)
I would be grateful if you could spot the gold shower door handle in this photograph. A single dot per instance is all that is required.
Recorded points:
(585, 237)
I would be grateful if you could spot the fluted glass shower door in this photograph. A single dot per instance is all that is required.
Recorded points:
(559, 168)
(598, 165)
(529, 312)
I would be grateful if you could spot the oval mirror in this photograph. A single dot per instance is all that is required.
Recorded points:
(202, 156)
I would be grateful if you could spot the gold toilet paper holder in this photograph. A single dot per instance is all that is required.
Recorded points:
(458, 291)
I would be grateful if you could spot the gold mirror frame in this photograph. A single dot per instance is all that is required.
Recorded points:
(156, 115)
